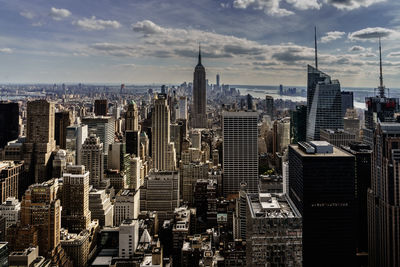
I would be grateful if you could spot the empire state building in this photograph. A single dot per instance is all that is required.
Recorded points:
(199, 118)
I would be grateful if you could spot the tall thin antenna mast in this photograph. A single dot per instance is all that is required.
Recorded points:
(316, 48)
(381, 86)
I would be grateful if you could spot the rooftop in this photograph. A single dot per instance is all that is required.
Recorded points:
(270, 205)
(336, 152)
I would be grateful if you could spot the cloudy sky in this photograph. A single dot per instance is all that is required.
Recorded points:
(260, 42)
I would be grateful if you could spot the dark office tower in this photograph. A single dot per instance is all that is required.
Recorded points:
(199, 118)
(9, 122)
(347, 101)
(217, 80)
(40, 141)
(133, 142)
(363, 154)
(75, 214)
(132, 117)
(100, 107)
(379, 108)
(63, 119)
(322, 186)
(298, 124)
(249, 102)
(269, 106)
(240, 154)
(383, 198)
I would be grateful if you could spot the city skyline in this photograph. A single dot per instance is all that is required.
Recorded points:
(245, 41)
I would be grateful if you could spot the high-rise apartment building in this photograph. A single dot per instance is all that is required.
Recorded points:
(160, 192)
(132, 117)
(40, 222)
(101, 207)
(322, 187)
(324, 103)
(103, 127)
(63, 119)
(182, 113)
(384, 198)
(100, 107)
(274, 231)
(126, 205)
(40, 141)
(298, 124)
(199, 117)
(76, 136)
(351, 123)
(337, 137)
(11, 209)
(9, 122)
(92, 159)
(163, 151)
(128, 238)
(240, 151)
(363, 155)
(75, 215)
(11, 173)
(190, 174)
(347, 101)
(269, 106)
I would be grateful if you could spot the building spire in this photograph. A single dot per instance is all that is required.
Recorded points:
(316, 48)
(199, 63)
(381, 86)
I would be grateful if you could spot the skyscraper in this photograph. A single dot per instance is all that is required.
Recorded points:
(39, 139)
(324, 101)
(298, 124)
(269, 106)
(363, 155)
(240, 154)
(274, 230)
(75, 199)
(347, 101)
(160, 137)
(322, 187)
(379, 108)
(100, 107)
(217, 80)
(132, 117)
(40, 222)
(63, 119)
(199, 117)
(11, 172)
(92, 159)
(383, 198)
(103, 127)
(9, 122)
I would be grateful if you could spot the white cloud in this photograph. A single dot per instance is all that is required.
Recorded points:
(332, 36)
(372, 34)
(6, 50)
(92, 23)
(394, 54)
(59, 13)
(270, 7)
(147, 27)
(305, 4)
(225, 5)
(27, 14)
(356, 48)
(352, 4)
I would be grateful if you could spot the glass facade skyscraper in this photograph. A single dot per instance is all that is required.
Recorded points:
(324, 103)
